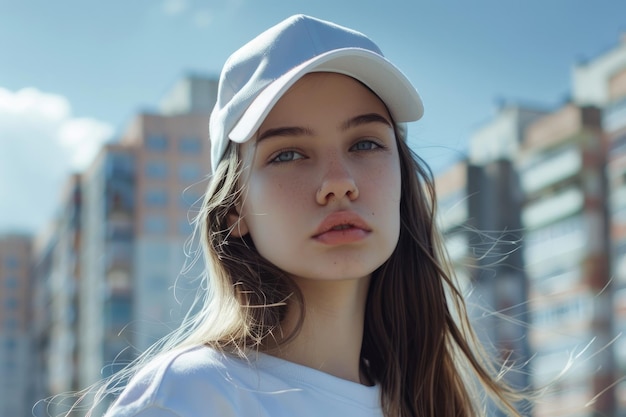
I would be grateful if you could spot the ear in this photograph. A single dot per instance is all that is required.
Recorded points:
(236, 223)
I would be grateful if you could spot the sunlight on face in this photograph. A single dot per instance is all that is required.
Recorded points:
(322, 181)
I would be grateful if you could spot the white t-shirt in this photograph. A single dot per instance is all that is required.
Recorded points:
(201, 382)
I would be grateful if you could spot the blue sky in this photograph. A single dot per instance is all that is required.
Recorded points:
(74, 72)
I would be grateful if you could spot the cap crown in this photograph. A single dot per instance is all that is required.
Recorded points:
(281, 55)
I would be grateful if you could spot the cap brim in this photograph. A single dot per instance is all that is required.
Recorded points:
(377, 73)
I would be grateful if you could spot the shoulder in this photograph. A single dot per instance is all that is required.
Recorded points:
(203, 382)
(181, 383)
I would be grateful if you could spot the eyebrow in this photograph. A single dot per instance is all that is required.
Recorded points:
(285, 131)
(365, 119)
(303, 131)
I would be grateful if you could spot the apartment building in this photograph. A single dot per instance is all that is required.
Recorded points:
(54, 324)
(15, 336)
(614, 124)
(500, 281)
(601, 81)
(171, 168)
(479, 203)
(105, 307)
(561, 166)
(452, 218)
(138, 267)
(41, 263)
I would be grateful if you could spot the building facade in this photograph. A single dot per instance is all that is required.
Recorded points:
(479, 203)
(500, 294)
(561, 167)
(171, 170)
(614, 124)
(105, 292)
(139, 262)
(56, 272)
(15, 333)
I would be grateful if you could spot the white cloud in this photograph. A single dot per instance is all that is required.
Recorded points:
(41, 143)
(200, 17)
(174, 7)
(83, 138)
(203, 18)
(31, 101)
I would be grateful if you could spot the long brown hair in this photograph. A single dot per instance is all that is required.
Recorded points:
(418, 343)
(418, 340)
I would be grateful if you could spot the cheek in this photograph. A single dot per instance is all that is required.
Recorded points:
(385, 193)
(272, 203)
(385, 183)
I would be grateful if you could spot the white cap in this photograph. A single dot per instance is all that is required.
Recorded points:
(256, 76)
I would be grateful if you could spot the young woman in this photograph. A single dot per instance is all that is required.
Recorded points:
(327, 292)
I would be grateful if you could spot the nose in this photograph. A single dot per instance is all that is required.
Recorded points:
(337, 183)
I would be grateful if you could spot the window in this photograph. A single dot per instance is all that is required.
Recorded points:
(119, 197)
(119, 165)
(191, 200)
(156, 142)
(10, 345)
(618, 145)
(184, 227)
(156, 197)
(190, 145)
(553, 208)
(119, 254)
(553, 167)
(568, 237)
(10, 324)
(453, 209)
(11, 303)
(118, 310)
(10, 282)
(9, 367)
(156, 170)
(119, 231)
(155, 224)
(12, 262)
(189, 172)
(574, 309)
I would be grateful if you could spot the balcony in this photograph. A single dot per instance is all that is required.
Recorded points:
(614, 116)
(553, 208)
(551, 170)
(561, 125)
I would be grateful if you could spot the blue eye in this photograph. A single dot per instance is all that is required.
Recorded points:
(365, 145)
(287, 156)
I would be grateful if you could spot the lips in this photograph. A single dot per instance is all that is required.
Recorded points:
(342, 227)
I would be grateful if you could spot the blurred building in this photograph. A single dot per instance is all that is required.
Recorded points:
(56, 272)
(194, 93)
(106, 283)
(452, 218)
(479, 213)
(614, 123)
(597, 82)
(601, 82)
(500, 294)
(15, 332)
(114, 272)
(43, 250)
(561, 166)
(553, 167)
(139, 198)
(172, 157)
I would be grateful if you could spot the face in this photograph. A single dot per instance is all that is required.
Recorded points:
(321, 181)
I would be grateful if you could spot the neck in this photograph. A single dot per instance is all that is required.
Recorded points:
(332, 331)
